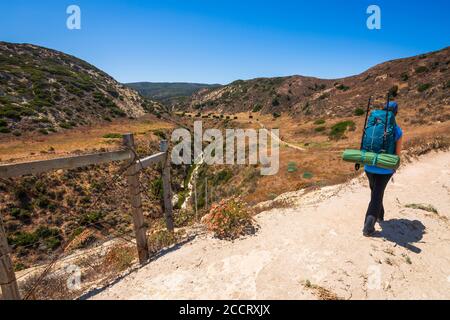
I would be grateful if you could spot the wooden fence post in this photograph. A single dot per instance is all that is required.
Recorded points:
(167, 189)
(136, 204)
(8, 282)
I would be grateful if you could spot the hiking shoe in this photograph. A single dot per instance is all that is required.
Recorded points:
(369, 226)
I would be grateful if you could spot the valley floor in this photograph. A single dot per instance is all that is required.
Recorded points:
(315, 249)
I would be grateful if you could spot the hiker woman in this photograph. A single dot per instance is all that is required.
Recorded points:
(378, 180)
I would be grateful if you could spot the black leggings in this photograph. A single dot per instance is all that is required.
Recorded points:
(378, 183)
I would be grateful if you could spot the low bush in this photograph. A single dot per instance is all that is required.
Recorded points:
(20, 214)
(338, 130)
(424, 87)
(161, 239)
(112, 136)
(275, 102)
(91, 218)
(319, 122)
(447, 85)
(257, 108)
(359, 112)
(229, 219)
(421, 69)
(222, 177)
(320, 129)
(342, 87)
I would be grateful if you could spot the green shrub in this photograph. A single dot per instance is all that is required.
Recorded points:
(44, 232)
(276, 115)
(11, 113)
(118, 112)
(20, 214)
(307, 175)
(42, 202)
(320, 129)
(112, 136)
(359, 112)
(4, 130)
(424, 87)
(421, 69)
(161, 239)
(3, 123)
(50, 236)
(23, 239)
(19, 266)
(52, 243)
(156, 188)
(222, 177)
(65, 125)
(319, 122)
(91, 218)
(275, 102)
(257, 108)
(338, 130)
(447, 84)
(160, 134)
(43, 131)
(342, 87)
(404, 76)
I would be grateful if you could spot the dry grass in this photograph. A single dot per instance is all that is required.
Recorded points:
(99, 268)
(37, 147)
(424, 207)
(161, 239)
(320, 292)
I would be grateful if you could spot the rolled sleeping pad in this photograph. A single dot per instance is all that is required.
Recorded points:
(381, 160)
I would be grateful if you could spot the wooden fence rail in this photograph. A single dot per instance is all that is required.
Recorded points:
(8, 280)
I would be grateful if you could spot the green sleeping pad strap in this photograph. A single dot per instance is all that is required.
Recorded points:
(375, 160)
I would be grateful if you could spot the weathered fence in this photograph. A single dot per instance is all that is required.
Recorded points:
(8, 280)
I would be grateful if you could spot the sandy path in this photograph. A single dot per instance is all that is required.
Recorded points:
(281, 142)
(319, 239)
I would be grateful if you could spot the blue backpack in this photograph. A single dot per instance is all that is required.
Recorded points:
(379, 136)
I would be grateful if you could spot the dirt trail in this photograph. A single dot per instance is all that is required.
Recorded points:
(315, 249)
(281, 142)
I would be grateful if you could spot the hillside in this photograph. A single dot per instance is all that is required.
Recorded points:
(46, 90)
(167, 91)
(418, 82)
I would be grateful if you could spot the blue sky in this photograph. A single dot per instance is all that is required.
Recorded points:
(218, 41)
